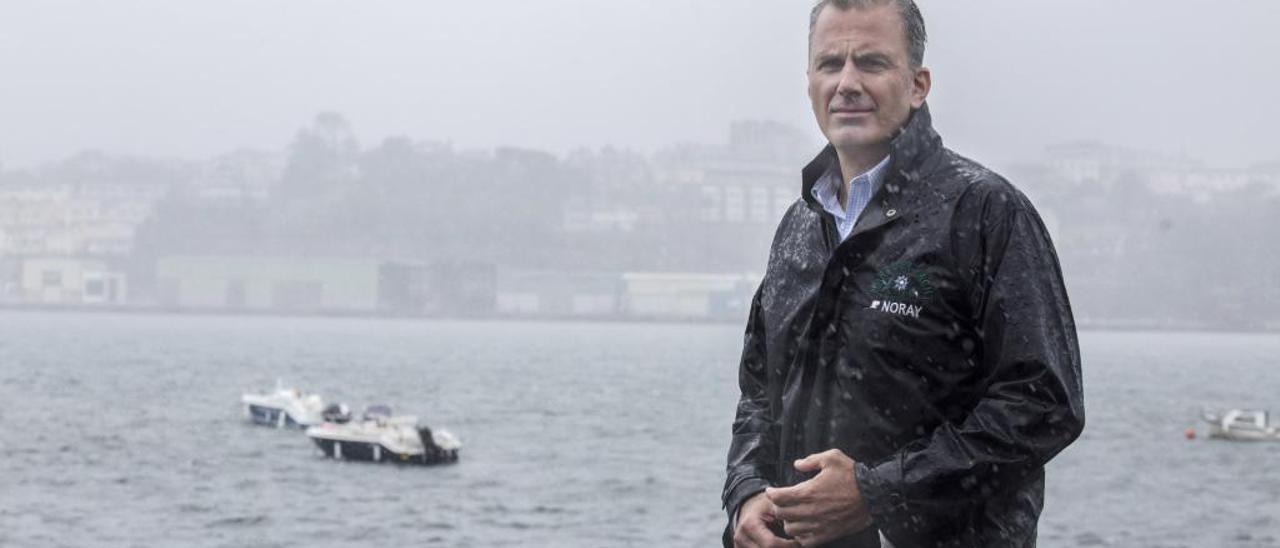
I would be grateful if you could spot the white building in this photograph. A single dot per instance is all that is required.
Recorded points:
(70, 281)
(688, 295)
(68, 219)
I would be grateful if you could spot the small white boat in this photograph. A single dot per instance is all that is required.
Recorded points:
(1242, 425)
(382, 437)
(284, 408)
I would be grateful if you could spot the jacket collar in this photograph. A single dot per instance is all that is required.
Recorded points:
(913, 155)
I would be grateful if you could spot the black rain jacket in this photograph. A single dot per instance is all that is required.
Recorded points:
(935, 346)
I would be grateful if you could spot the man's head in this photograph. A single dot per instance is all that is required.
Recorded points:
(866, 70)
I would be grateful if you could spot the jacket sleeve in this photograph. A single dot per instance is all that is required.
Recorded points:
(753, 451)
(1032, 404)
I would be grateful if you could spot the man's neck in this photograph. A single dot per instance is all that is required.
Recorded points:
(856, 162)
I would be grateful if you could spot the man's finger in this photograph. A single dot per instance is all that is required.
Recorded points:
(817, 461)
(810, 463)
(757, 534)
(794, 513)
(786, 496)
(799, 529)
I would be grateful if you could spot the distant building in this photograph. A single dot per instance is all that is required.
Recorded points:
(688, 296)
(308, 285)
(1204, 183)
(1104, 167)
(535, 293)
(582, 216)
(1089, 162)
(70, 281)
(78, 210)
(10, 280)
(456, 288)
(752, 180)
(259, 284)
(630, 295)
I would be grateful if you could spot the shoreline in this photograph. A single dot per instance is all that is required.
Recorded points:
(1120, 325)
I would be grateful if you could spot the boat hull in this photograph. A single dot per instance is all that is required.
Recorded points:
(374, 452)
(272, 416)
(1217, 432)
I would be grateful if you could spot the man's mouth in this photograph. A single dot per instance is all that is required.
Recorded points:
(851, 111)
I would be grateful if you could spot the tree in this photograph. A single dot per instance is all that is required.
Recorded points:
(322, 158)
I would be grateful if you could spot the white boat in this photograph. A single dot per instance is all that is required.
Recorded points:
(284, 408)
(1242, 425)
(382, 437)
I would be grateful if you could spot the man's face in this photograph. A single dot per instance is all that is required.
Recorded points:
(860, 77)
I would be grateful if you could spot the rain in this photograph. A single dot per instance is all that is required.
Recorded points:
(525, 240)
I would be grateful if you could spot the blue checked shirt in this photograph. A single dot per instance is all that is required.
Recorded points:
(861, 188)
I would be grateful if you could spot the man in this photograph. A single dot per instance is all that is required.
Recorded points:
(910, 361)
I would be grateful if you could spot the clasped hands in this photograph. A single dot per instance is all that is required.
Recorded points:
(824, 508)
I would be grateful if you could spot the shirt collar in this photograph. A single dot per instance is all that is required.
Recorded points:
(826, 191)
(916, 152)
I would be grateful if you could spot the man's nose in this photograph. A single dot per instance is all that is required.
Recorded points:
(850, 81)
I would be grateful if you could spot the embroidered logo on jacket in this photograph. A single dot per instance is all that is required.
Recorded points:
(901, 289)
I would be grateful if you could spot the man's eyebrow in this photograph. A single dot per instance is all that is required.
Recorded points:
(828, 54)
(877, 56)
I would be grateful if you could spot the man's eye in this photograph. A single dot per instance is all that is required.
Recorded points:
(872, 65)
(829, 65)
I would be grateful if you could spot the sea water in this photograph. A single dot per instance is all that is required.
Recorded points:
(123, 431)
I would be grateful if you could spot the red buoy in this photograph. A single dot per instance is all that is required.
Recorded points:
(1189, 433)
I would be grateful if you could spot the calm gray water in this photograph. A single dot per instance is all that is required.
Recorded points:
(125, 431)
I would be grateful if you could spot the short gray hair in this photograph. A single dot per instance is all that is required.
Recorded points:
(912, 22)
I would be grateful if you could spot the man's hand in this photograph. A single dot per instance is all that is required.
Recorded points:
(825, 508)
(755, 518)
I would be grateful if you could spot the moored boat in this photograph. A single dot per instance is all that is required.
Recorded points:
(382, 437)
(283, 408)
(1242, 425)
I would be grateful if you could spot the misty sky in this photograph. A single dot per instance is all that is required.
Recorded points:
(195, 79)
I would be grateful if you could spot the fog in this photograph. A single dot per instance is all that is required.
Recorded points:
(542, 224)
(635, 148)
(194, 79)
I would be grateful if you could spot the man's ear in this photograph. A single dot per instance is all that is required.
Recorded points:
(920, 85)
